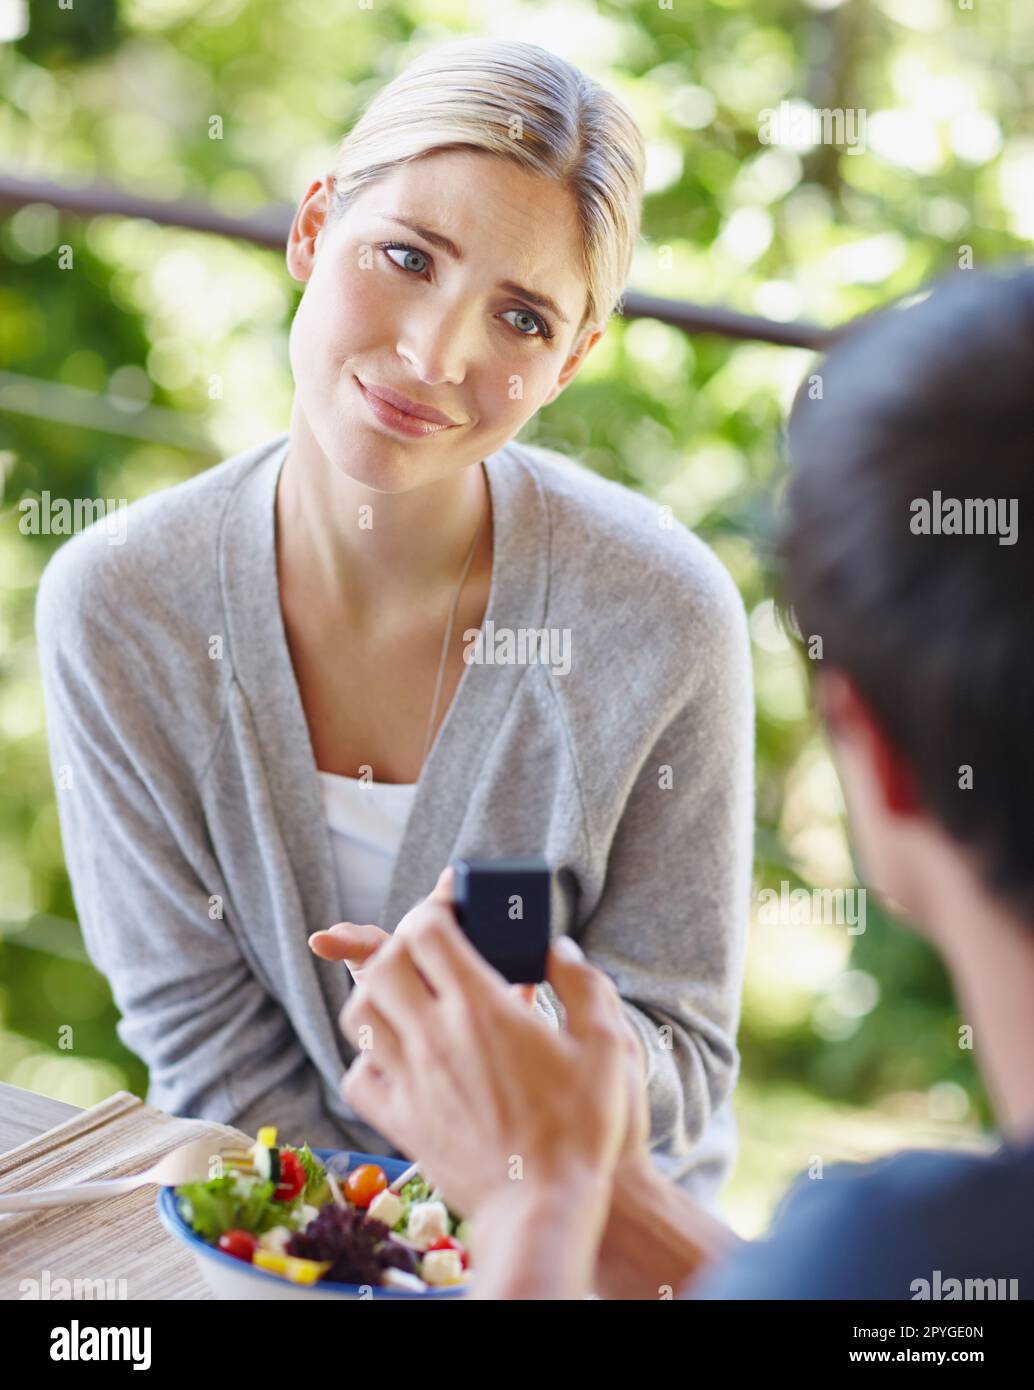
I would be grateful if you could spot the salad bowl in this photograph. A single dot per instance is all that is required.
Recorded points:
(230, 1277)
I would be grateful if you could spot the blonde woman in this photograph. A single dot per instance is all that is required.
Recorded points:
(305, 681)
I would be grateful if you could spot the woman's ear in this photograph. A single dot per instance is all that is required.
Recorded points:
(309, 220)
(569, 371)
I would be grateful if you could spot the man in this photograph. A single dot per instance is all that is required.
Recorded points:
(905, 552)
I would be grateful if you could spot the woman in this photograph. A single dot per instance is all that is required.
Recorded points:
(270, 709)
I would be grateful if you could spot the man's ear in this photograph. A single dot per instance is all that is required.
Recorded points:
(590, 337)
(853, 726)
(309, 221)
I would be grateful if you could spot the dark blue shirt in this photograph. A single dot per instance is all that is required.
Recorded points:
(900, 1228)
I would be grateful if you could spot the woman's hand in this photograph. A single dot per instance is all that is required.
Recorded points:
(349, 942)
(355, 944)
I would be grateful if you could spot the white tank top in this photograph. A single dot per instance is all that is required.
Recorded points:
(366, 821)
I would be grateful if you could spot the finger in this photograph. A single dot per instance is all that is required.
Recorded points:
(379, 1040)
(349, 942)
(442, 890)
(394, 985)
(368, 1091)
(589, 996)
(636, 1048)
(440, 893)
(447, 960)
(526, 993)
(369, 1031)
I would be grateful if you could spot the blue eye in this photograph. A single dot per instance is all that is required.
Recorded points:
(544, 330)
(409, 250)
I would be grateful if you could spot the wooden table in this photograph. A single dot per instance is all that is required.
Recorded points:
(24, 1115)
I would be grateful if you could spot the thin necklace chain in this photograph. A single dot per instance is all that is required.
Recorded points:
(448, 628)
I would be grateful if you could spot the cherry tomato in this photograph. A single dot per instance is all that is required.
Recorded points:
(363, 1184)
(451, 1243)
(292, 1177)
(240, 1244)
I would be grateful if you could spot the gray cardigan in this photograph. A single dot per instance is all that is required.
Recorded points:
(194, 829)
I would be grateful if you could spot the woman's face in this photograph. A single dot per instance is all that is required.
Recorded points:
(441, 330)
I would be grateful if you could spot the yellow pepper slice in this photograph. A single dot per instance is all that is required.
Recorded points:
(292, 1267)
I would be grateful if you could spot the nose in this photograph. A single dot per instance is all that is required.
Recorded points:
(437, 343)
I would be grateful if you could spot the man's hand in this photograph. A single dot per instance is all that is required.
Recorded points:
(356, 944)
(510, 1119)
(656, 1238)
(635, 1144)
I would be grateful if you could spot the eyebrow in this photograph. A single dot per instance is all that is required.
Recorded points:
(451, 249)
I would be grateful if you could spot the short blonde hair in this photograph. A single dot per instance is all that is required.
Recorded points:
(519, 102)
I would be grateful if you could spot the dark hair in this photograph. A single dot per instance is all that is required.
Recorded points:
(933, 630)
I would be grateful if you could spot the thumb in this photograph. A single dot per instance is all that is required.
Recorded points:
(587, 994)
(442, 890)
(527, 993)
(440, 893)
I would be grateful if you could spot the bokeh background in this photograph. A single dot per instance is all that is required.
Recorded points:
(850, 1042)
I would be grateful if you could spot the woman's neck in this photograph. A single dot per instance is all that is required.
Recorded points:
(412, 546)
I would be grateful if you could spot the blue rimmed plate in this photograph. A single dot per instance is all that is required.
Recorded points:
(230, 1278)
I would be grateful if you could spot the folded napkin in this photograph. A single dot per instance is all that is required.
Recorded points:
(118, 1240)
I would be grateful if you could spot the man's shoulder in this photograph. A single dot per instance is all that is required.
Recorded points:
(898, 1228)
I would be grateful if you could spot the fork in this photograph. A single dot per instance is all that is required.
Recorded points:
(399, 1183)
(189, 1163)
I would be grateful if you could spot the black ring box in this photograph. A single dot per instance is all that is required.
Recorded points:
(504, 907)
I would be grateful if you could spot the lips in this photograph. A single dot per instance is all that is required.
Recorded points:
(408, 407)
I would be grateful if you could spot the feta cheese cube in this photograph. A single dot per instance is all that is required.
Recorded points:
(402, 1279)
(428, 1222)
(387, 1207)
(275, 1239)
(443, 1267)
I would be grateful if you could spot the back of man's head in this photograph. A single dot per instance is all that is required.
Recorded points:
(906, 548)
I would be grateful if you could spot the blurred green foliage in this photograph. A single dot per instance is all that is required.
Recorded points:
(149, 316)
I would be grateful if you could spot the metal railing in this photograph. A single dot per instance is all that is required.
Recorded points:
(94, 410)
(269, 228)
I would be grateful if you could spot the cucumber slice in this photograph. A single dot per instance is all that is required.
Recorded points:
(267, 1161)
